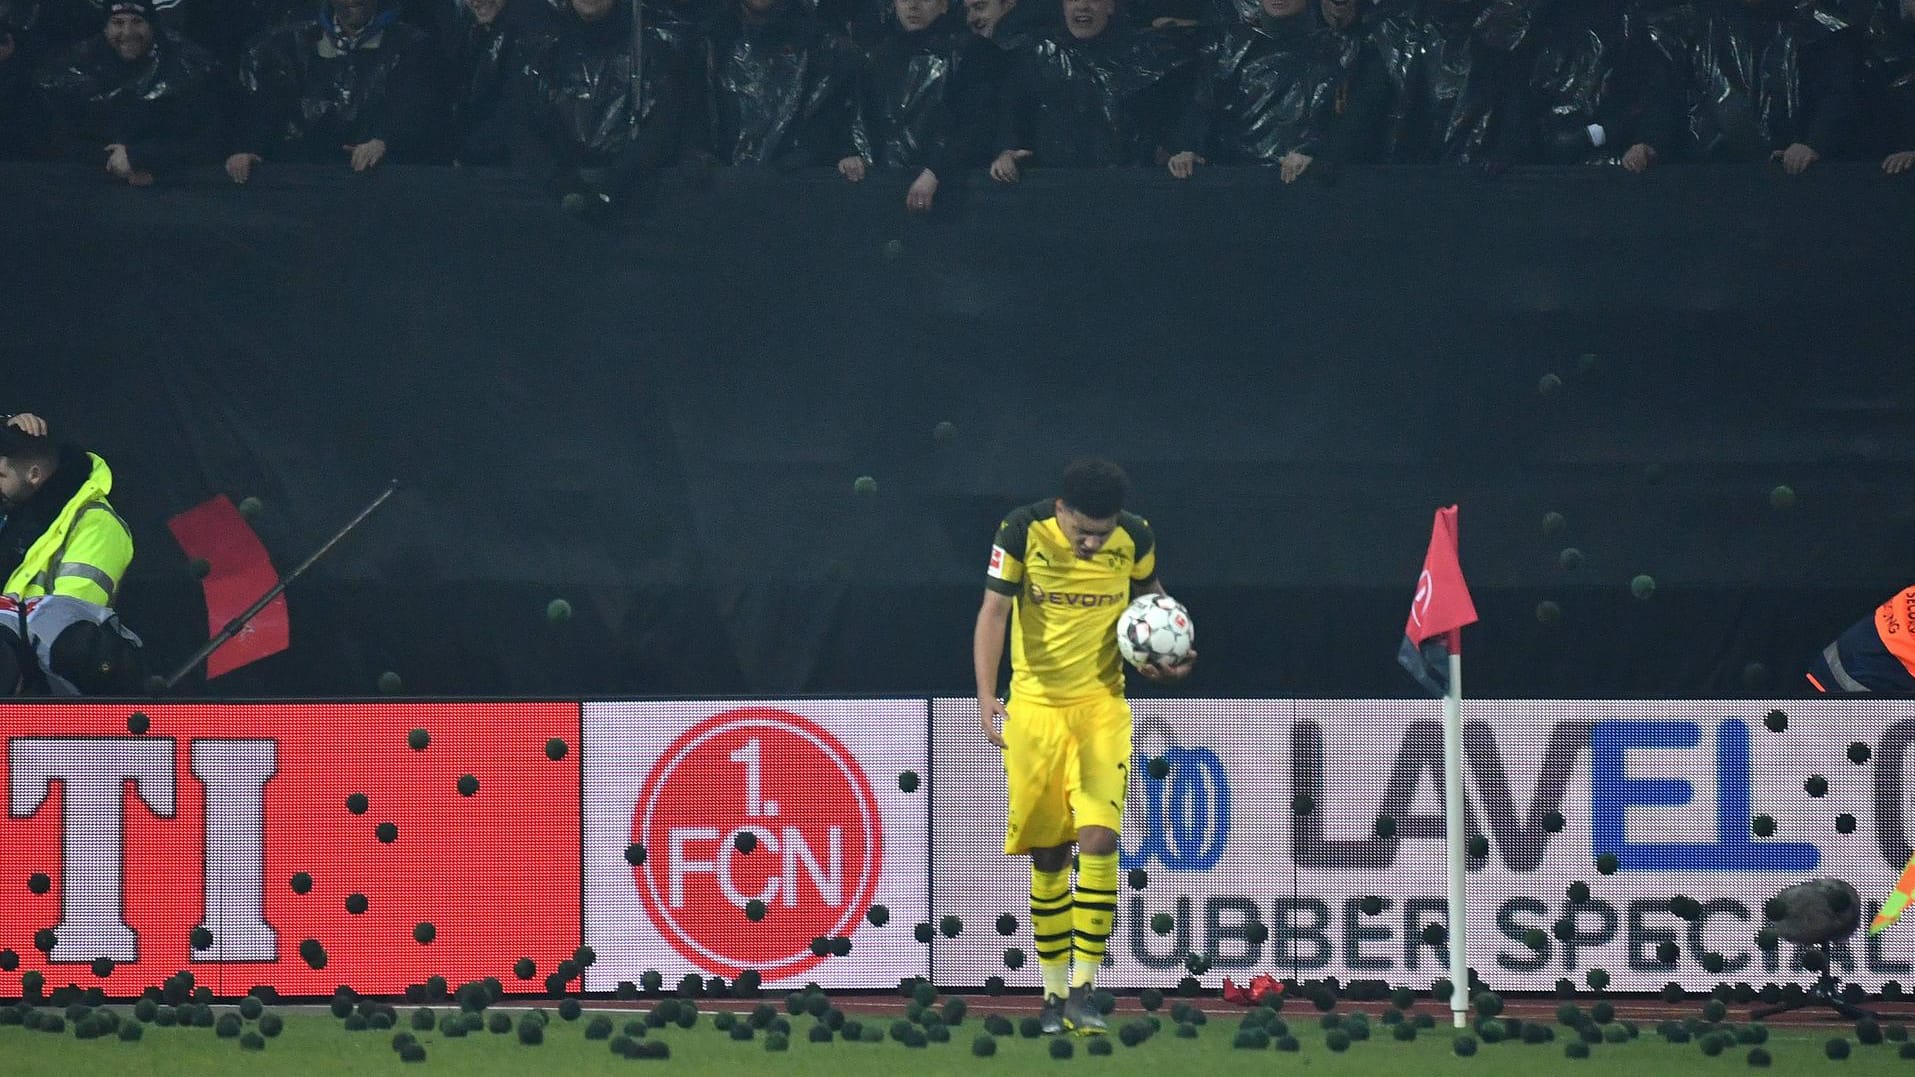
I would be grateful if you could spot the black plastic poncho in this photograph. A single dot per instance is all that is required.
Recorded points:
(164, 108)
(926, 100)
(1264, 89)
(1889, 78)
(1453, 68)
(1100, 102)
(1759, 77)
(777, 92)
(306, 92)
(578, 100)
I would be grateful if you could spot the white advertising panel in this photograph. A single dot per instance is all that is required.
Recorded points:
(1680, 792)
(792, 811)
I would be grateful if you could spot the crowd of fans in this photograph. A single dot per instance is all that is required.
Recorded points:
(588, 95)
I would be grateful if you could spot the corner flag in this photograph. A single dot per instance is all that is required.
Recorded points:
(1439, 610)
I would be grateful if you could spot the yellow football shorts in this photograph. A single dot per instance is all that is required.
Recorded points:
(1064, 767)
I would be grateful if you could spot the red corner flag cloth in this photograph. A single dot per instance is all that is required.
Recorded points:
(238, 573)
(1439, 611)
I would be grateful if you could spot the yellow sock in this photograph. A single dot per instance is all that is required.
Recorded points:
(1092, 911)
(1051, 918)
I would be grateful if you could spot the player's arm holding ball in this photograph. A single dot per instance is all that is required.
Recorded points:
(1161, 672)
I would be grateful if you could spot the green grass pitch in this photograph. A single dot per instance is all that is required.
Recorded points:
(318, 1044)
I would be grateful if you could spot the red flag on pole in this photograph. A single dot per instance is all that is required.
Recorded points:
(239, 572)
(1439, 610)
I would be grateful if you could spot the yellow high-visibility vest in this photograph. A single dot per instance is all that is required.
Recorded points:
(84, 553)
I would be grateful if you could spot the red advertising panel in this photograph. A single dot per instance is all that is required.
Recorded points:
(371, 844)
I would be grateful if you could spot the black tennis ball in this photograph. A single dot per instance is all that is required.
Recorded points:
(1158, 767)
(1435, 934)
(1013, 958)
(525, 968)
(1478, 846)
(1859, 753)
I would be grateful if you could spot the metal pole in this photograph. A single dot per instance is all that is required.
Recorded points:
(238, 624)
(1453, 824)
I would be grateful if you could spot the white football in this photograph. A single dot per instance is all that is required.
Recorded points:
(1155, 628)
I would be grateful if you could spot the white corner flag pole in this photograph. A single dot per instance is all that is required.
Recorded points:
(1453, 825)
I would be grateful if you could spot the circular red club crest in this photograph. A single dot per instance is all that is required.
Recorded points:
(816, 845)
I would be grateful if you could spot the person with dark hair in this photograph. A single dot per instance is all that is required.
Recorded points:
(354, 84)
(1061, 573)
(1889, 68)
(1095, 93)
(63, 554)
(589, 132)
(775, 86)
(1267, 91)
(920, 101)
(138, 98)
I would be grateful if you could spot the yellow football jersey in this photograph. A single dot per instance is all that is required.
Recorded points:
(1064, 619)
